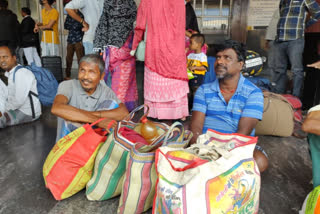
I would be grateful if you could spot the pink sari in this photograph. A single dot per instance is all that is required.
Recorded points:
(123, 71)
(165, 73)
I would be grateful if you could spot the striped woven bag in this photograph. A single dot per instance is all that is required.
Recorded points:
(140, 178)
(110, 163)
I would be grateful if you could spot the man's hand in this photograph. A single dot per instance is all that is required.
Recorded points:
(314, 65)
(246, 125)
(107, 124)
(197, 121)
(85, 26)
(191, 68)
(36, 28)
(267, 45)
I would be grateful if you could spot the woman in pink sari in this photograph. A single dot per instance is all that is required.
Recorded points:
(165, 77)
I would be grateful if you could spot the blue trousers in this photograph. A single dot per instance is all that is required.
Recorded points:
(285, 52)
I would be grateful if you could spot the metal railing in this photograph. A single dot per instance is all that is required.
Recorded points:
(214, 16)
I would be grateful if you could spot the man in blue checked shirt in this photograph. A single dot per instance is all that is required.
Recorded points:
(230, 104)
(289, 43)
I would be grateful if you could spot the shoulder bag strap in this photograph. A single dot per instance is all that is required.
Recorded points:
(30, 92)
(32, 105)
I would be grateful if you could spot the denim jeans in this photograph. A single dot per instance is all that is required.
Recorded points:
(271, 59)
(292, 51)
(88, 47)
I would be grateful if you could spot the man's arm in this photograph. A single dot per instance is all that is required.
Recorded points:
(198, 68)
(113, 114)
(251, 113)
(312, 123)
(246, 125)
(197, 122)
(198, 113)
(49, 26)
(40, 26)
(314, 9)
(73, 13)
(61, 109)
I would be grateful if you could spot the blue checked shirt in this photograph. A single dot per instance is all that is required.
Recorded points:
(291, 24)
(224, 117)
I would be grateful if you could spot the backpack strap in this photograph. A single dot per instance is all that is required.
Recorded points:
(15, 70)
(30, 92)
(32, 106)
(31, 102)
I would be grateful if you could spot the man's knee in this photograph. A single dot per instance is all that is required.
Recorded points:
(298, 72)
(261, 160)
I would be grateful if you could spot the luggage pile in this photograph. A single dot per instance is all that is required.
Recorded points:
(218, 172)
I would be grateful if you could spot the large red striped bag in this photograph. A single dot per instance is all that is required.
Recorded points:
(110, 163)
(69, 164)
(216, 175)
(140, 177)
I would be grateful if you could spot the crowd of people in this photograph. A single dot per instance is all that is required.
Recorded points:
(106, 83)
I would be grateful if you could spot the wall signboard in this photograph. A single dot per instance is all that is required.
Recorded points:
(260, 12)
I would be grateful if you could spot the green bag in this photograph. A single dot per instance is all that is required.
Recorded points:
(314, 145)
(140, 53)
(141, 49)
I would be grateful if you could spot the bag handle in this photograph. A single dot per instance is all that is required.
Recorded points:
(211, 153)
(101, 119)
(268, 95)
(170, 132)
(130, 116)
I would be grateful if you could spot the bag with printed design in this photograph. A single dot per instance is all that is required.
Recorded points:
(140, 177)
(110, 163)
(69, 164)
(216, 175)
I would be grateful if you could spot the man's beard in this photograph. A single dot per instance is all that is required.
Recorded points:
(86, 89)
(224, 73)
(224, 76)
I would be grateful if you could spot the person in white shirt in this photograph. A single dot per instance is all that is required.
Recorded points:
(91, 10)
(21, 103)
(3, 96)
